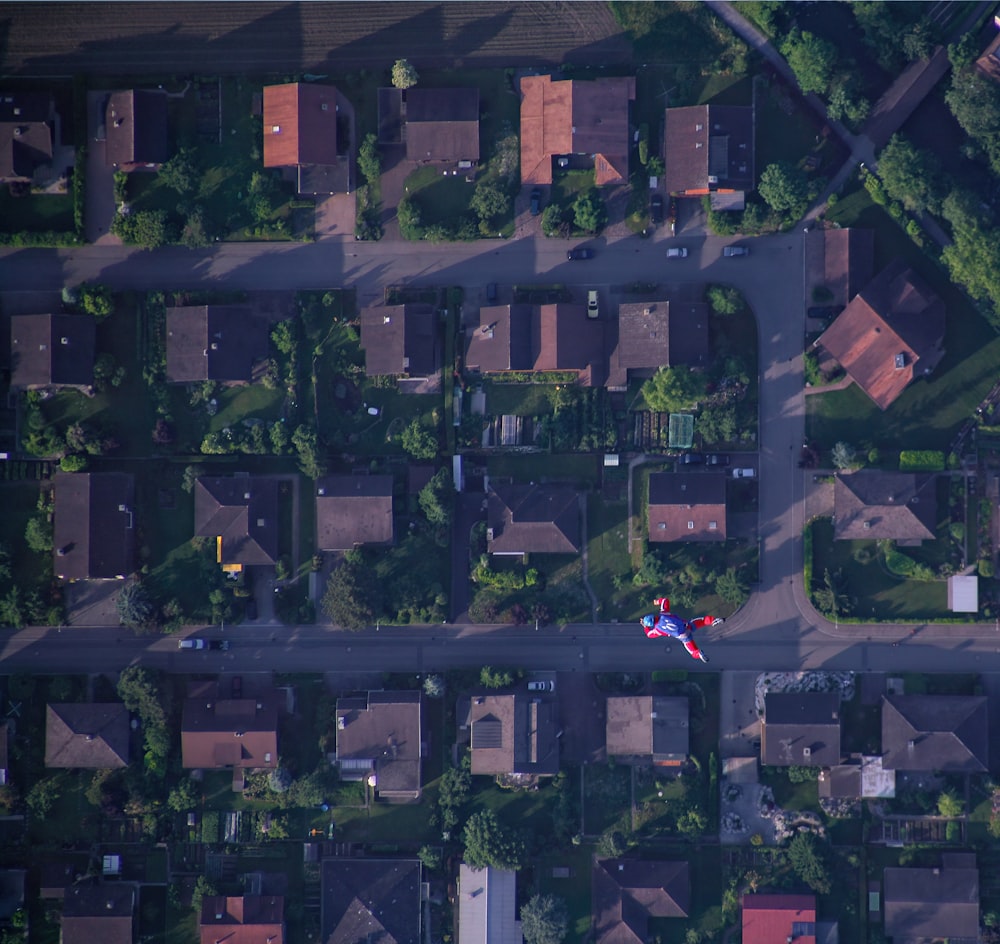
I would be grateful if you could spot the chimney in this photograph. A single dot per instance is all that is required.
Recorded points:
(807, 752)
(64, 340)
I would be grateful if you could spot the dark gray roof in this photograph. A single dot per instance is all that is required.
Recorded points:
(400, 339)
(214, 342)
(801, 729)
(26, 121)
(94, 535)
(56, 350)
(513, 734)
(540, 519)
(626, 893)
(93, 735)
(243, 511)
(353, 510)
(874, 505)
(709, 148)
(933, 904)
(687, 506)
(652, 727)
(935, 732)
(98, 914)
(135, 124)
(370, 901)
(442, 124)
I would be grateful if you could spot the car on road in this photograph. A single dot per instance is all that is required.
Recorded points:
(547, 686)
(692, 458)
(656, 208)
(192, 644)
(731, 251)
(582, 253)
(677, 252)
(220, 645)
(592, 307)
(536, 202)
(716, 459)
(744, 473)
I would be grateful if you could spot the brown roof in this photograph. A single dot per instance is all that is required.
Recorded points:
(243, 512)
(874, 505)
(98, 914)
(502, 340)
(52, 350)
(26, 120)
(383, 731)
(658, 334)
(135, 124)
(841, 260)
(652, 727)
(353, 510)
(801, 729)
(989, 62)
(933, 904)
(687, 506)
(94, 525)
(539, 519)
(572, 117)
(935, 732)
(891, 333)
(400, 339)
(442, 124)
(626, 893)
(214, 342)
(513, 734)
(248, 919)
(370, 901)
(94, 736)
(300, 125)
(708, 148)
(229, 732)
(569, 340)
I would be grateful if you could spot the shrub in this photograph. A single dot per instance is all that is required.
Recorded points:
(921, 460)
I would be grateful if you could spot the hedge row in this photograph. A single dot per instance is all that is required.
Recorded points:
(921, 460)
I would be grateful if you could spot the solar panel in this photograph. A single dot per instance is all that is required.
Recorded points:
(487, 732)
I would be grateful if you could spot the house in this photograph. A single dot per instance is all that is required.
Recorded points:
(859, 776)
(93, 525)
(948, 733)
(487, 906)
(214, 342)
(246, 919)
(98, 914)
(532, 519)
(93, 736)
(709, 149)
(400, 340)
(26, 135)
(933, 904)
(963, 593)
(501, 341)
(800, 729)
(874, 505)
(135, 128)
(891, 333)
(568, 118)
(774, 919)
(379, 736)
(647, 729)
(52, 351)
(300, 137)
(235, 733)
(839, 263)
(370, 899)
(352, 510)
(442, 124)
(626, 893)
(687, 506)
(511, 734)
(989, 62)
(241, 513)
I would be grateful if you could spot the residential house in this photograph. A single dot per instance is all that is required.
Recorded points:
(487, 906)
(26, 135)
(647, 729)
(93, 736)
(353, 510)
(948, 733)
(774, 919)
(300, 137)
(935, 904)
(567, 119)
(511, 734)
(52, 351)
(135, 128)
(501, 341)
(370, 899)
(626, 893)
(245, 919)
(441, 124)
(800, 729)
(709, 149)
(874, 505)
(859, 776)
(241, 513)
(93, 525)
(839, 263)
(400, 340)
(891, 333)
(99, 914)
(989, 62)
(214, 342)
(687, 506)
(379, 736)
(532, 519)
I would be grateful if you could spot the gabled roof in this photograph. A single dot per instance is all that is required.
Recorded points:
(513, 734)
(626, 893)
(98, 914)
(935, 732)
(242, 511)
(214, 342)
(891, 333)
(502, 339)
(487, 906)
(135, 125)
(539, 519)
(573, 117)
(93, 525)
(687, 506)
(382, 730)
(229, 732)
(933, 904)
(873, 505)
(708, 148)
(52, 350)
(774, 919)
(400, 339)
(247, 919)
(652, 727)
(801, 729)
(370, 900)
(658, 334)
(569, 340)
(353, 510)
(25, 133)
(840, 260)
(300, 124)
(92, 736)
(442, 124)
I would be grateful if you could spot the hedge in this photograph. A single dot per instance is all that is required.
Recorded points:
(921, 460)
(903, 565)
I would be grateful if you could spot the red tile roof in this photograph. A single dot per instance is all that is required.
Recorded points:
(539, 519)
(229, 732)
(250, 919)
(94, 525)
(687, 506)
(400, 339)
(300, 125)
(769, 919)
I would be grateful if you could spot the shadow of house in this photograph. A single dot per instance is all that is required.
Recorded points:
(11, 893)
(27, 120)
(244, 919)
(933, 904)
(842, 261)
(801, 729)
(91, 736)
(214, 342)
(135, 123)
(687, 506)
(370, 900)
(875, 506)
(93, 526)
(626, 893)
(948, 733)
(511, 735)
(647, 729)
(52, 351)
(241, 513)
(532, 519)
(99, 914)
(353, 510)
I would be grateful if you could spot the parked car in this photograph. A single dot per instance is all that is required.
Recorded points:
(491, 291)
(743, 473)
(582, 253)
(716, 459)
(592, 308)
(219, 644)
(677, 252)
(735, 251)
(536, 202)
(547, 686)
(656, 208)
(692, 458)
(192, 644)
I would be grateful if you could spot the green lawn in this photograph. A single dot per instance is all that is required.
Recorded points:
(788, 137)
(440, 199)
(246, 401)
(607, 537)
(607, 798)
(20, 500)
(788, 795)
(35, 213)
(574, 890)
(580, 470)
(534, 399)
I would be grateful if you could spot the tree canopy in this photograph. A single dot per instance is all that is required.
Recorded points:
(404, 75)
(134, 606)
(807, 859)
(418, 441)
(811, 58)
(672, 390)
(351, 596)
(544, 920)
(784, 187)
(589, 211)
(909, 175)
(488, 843)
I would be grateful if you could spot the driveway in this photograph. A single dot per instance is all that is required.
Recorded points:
(100, 177)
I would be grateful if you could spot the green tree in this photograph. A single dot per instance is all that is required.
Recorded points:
(950, 805)
(181, 172)
(730, 586)
(488, 843)
(456, 782)
(811, 58)
(434, 686)
(784, 188)
(404, 76)
(831, 598)
(975, 102)
(134, 606)
(430, 857)
(613, 844)
(369, 161)
(95, 299)
(436, 499)
(589, 212)
(418, 441)
(909, 175)
(808, 861)
(306, 444)
(184, 795)
(489, 200)
(692, 823)
(351, 594)
(495, 678)
(12, 609)
(43, 795)
(843, 455)
(203, 888)
(544, 920)
(673, 390)
(147, 229)
(38, 534)
(73, 463)
(725, 300)
(798, 774)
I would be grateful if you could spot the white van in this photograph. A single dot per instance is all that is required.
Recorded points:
(743, 473)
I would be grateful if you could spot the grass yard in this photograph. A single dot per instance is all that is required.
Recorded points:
(532, 810)
(607, 798)
(512, 399)
(20, 500)
(440, 198)
(788, 795)
(580, 470)
(574, 890)
(70, 816)
(786, 130)
(607, 542)
(243, 402)
(36, 213)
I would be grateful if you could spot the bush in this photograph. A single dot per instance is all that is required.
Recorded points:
(921, 460)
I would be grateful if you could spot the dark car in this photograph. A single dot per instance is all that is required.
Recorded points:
(656, 208)
(692, 458)
(580, 254)
(536, 202)
(716, 459)
(218, 644)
